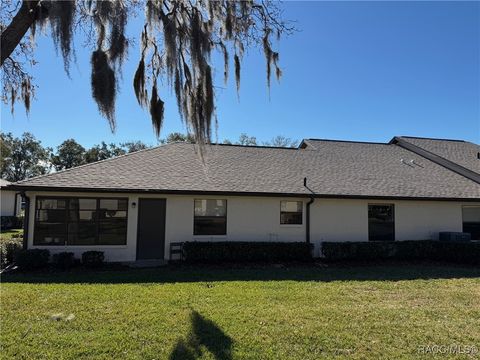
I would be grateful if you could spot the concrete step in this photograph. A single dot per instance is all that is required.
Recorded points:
(147, 263)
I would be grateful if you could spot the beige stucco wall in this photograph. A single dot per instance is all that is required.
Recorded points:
(258, 219)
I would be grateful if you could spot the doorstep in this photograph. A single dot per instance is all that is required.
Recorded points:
(147, 263)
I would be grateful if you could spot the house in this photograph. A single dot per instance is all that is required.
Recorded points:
(10, 201)
(134, 206)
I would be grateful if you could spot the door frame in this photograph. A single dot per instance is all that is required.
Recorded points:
(138, 227)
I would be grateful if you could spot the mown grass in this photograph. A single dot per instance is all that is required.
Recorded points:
(7, 235)
(374, 312)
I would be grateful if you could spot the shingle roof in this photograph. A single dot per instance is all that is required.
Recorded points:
(4, 183)
(335, 169)
(463, 153)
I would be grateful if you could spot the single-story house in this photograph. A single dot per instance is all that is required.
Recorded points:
(134, 206)
(11, 204)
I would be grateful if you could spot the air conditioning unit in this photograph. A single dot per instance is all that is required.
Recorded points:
(454, 236)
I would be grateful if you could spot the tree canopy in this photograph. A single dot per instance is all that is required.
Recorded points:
(176, 46)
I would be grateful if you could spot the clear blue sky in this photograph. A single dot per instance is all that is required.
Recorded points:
(355, 70)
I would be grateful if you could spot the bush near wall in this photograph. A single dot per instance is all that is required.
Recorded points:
(8, 250)
(11, 222)
(242, 251)
(458, 252)
(32, 258)
(93, 258)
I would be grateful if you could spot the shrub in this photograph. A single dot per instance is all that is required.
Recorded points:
(11, 222)
(32, 258)
(64, 260)
(8, 249)
(450, 251)
(240, 251)
(93, 258)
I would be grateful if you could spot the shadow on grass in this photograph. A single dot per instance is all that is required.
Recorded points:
(204, 335)
(199, 273)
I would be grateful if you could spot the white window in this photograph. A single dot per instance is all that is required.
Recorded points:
(210, 217)
(291, 212)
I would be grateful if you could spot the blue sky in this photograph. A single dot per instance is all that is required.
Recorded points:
(356, 71)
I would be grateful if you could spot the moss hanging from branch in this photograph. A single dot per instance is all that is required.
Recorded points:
(177, 43)
(104, 86)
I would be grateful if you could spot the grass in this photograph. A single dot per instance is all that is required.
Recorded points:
(7, 235)
(311, 312)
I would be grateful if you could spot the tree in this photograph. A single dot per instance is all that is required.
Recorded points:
(103, 152)
(177, 42)
(132, 146)
(25, 157)
(246, 140)
(178, 137)
(281, 141)
(69, 154)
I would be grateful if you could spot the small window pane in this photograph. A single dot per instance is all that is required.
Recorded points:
(210, 207)
(471, 221)
(381, 222)
(206, 225)
(82, 233)
(51, 216)
(107, 214)
(52, 203)
(81, 215)
(113, 204)
(83, 204)
(291, 212)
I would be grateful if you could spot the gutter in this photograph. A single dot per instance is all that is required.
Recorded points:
(26, 219)
(309, 203)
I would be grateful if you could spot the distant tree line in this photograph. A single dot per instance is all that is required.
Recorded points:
(25, 156)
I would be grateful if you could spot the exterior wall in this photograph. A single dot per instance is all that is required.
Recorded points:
(258, 219)
(7, 200)
(347, 220)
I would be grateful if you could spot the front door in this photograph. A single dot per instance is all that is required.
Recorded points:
(151, 229)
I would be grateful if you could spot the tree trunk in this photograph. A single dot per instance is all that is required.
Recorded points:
(17, 29)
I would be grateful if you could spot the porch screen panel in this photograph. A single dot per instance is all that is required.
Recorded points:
(80, 221)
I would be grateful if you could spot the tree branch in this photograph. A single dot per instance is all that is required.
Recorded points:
(17, 29)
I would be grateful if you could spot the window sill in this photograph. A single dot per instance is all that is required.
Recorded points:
(79, 246)
(291, 225)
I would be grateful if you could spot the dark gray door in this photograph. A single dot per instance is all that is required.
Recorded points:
(151, 229)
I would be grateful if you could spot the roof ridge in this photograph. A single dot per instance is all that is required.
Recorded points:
(92, 163)
(349, 141)
(430, 138)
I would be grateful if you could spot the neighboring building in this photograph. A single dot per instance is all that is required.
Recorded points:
(11, 204)
(134, 206)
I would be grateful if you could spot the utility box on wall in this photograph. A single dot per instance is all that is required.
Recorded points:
(454, 236)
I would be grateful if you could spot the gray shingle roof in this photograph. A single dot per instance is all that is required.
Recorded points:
(335, 169)
(463, 153)
(4, 183)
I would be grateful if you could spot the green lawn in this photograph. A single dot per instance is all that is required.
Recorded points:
(377, 312)
(6, 235)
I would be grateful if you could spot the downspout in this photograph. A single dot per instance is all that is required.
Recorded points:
(26, 219)
(310, 202)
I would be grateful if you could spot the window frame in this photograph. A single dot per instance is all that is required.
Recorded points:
(393, 217)
(67, 210)
(280, 214)
(218, 217)
(463, 220)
